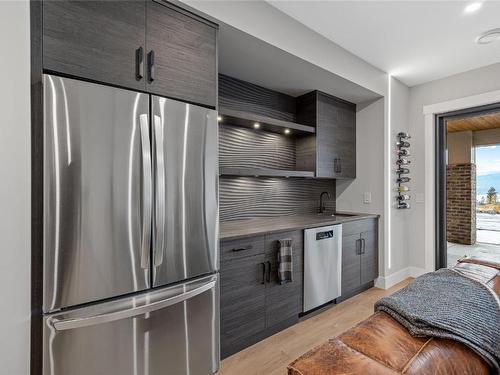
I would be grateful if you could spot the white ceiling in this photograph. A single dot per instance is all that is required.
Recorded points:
(416, 41)
(250, 59)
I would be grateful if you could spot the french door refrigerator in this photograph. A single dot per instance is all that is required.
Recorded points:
(130, 233)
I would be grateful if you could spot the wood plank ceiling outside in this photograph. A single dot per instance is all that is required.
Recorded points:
(491, 121)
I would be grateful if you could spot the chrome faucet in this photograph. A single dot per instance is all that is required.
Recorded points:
(322, 207)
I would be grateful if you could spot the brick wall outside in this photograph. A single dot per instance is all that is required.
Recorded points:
(461, 203)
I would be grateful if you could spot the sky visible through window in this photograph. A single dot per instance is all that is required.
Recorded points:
(488, 160)
(488, 169)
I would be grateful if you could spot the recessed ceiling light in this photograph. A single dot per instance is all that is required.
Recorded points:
(219, 118)
(287, 131)
(473, 7)
(256, 125)
(489, 36)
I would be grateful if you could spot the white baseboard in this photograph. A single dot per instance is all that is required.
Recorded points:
(416, 271)
(386, 282)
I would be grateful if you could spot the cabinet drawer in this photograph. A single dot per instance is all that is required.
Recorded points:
(241, 247)
(358, 226)
(272, 243)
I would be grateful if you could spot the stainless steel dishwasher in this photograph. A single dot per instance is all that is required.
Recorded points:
(322, 265)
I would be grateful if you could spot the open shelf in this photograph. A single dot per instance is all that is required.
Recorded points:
(264, 172)
(248, 119)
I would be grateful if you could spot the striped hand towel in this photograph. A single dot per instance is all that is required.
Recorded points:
(285, 265)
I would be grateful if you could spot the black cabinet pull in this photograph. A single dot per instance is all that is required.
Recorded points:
(363, 242)
(358, 247)
(268, 272)
(249, 247)
(139, 63)
(151, 66)
(337, 165)
(263, 273)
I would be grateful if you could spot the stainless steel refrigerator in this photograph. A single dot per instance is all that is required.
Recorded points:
(130, 233)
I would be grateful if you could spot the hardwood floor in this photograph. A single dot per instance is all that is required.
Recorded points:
(272, 355)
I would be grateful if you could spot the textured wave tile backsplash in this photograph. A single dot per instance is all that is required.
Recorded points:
(248, 148)
(249, 197)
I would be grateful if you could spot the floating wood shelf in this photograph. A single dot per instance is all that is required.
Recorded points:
(262, 172)
(248, 119)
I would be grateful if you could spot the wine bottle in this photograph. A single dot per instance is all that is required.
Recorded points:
(402, 170)
(403, 197)
(403, 161)
(403, 152)
(403, 179)
(403, 205)
(403, 135)
(403, 144)
(403, 188)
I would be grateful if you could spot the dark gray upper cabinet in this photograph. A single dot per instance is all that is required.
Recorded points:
(336, 138)
(332, 151)
(138, 44)
(96, 40)
(184, 50)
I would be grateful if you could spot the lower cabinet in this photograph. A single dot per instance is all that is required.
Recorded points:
(359, 255)
(254, 304)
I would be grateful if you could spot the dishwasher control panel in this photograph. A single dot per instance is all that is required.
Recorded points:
(324, 235)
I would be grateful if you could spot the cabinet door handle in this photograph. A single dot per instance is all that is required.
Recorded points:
(337, 165)
(268, 272)
(263, 273)
(151, 65)
(139, 63)
(364, 245)
(249, 247)
(358, 247)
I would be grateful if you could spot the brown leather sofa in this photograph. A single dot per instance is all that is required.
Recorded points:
(380, 345)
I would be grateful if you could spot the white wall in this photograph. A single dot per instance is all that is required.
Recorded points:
(397, 250)
(375, 149)
(470, 83)
(15, 188)
(263, 21)
(369, 168)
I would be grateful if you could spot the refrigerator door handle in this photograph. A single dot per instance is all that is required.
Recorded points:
(106, 317)
(159, 193)
(147, 190)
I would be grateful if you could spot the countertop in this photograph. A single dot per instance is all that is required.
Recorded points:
(234, 229)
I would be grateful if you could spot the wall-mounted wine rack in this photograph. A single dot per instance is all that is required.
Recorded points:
(402, 171)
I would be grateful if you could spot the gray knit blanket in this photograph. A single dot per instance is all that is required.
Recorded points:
(448, 304)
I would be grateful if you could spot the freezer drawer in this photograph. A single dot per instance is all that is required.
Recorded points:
(170, 331)
(97, 192)
(185, 239)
